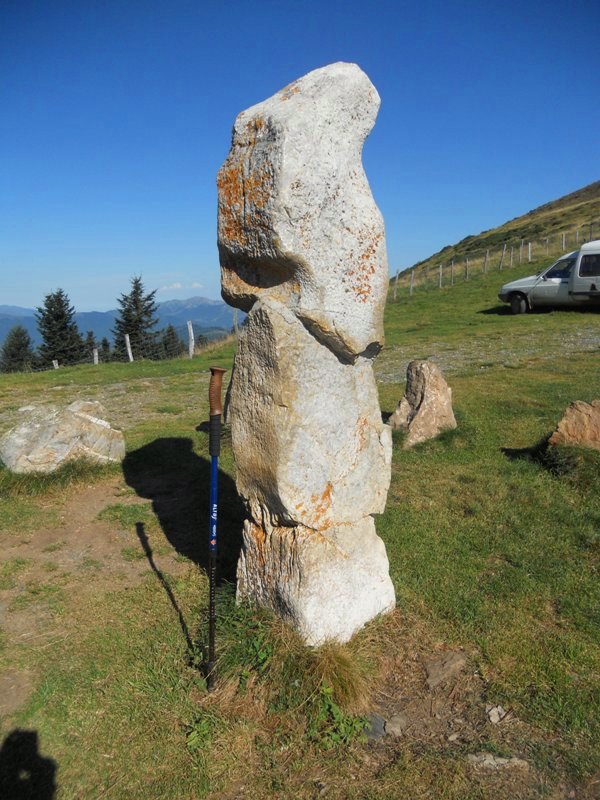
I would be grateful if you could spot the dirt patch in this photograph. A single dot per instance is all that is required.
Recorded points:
(56, 567)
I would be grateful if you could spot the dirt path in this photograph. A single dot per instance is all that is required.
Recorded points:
(45, 571)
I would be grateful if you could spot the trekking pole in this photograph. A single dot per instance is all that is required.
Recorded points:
(214, 449)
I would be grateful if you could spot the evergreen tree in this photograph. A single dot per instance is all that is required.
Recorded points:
(170, 344)
(89, 345)
(137, 317)
(17, 352)
(61, 339)
(105, 354)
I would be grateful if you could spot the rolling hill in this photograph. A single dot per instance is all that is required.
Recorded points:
(579, 210)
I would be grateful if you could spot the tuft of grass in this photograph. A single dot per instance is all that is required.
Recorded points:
(9, 570)
(45, 593)
(35, 484)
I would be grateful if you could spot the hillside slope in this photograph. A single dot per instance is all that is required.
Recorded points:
(577, 210)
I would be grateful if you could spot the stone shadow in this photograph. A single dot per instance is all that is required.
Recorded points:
(177, 481)
(24, 773)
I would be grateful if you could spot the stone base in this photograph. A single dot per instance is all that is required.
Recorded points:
(326, 584)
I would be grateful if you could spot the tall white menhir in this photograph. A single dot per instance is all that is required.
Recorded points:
(302, 249)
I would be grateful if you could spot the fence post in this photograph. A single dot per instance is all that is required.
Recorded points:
(563, 242)
(412, 280)
(128, 346)
(467, 269)
(576, 237)
(485, 261)
(502, 256)
(55, 363)
(528, 251)
(95, 355)
(191, 340)
(396, 284)
(546, 245)
(452, 273)
(512, 247)
(440, 277)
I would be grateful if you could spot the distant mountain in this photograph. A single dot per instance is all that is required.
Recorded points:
(210, 318)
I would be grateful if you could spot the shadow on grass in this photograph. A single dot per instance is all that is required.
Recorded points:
(501, 311)
(24, 773)
(579, 465)
(177, 481)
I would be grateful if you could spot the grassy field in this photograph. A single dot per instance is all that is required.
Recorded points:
(493, 547)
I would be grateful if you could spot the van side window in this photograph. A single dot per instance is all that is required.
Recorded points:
(590, 266)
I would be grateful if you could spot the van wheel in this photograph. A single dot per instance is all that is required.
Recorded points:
(518, 304)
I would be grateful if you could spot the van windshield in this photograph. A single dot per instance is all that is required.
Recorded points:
(562, 269)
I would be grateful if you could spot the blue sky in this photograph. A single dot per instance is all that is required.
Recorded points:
(116, 115)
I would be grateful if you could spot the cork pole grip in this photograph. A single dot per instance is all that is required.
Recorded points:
(214, 390)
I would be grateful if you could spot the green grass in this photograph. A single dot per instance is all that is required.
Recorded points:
(493, 544)
(9, 571)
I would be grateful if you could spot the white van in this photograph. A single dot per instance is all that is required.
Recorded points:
(573, 280)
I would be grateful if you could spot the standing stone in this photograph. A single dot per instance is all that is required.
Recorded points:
(302, 249)
(426, 408)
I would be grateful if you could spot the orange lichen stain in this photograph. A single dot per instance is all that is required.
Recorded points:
(360, 277)
(361, 431)
(289, 91)
(322, 505)
(243, 191)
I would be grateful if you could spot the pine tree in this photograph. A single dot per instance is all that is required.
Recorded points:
(137, 318)
(61, 340)
(17, 352)
(170, 344)
(105, 354)
(89, 345)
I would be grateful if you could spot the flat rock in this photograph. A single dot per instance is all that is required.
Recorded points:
(489, 761)
(444, 667)
(397, 724)
(376, 727)
(426, 408)
(49, 436)
(580, 425)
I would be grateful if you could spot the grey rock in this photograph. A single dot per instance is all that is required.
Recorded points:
(495, 714)
(397, 724)
(489, 761)
(49, 436)
(375, 727)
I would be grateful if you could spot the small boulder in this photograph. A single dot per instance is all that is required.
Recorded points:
(49, 436)
(426, 408)
(580, 425)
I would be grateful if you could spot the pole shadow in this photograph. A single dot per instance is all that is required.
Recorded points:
(177, 481)
(24, 773)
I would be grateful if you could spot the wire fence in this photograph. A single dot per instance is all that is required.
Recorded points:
(464, 262)
(185, 341)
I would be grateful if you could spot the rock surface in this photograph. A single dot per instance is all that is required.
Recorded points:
(426, 408)
(297, 222)
(49, 436)
(579, 426)
(302, 249)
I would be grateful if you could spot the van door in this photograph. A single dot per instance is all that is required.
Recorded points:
(553, 287)
(586, 279)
